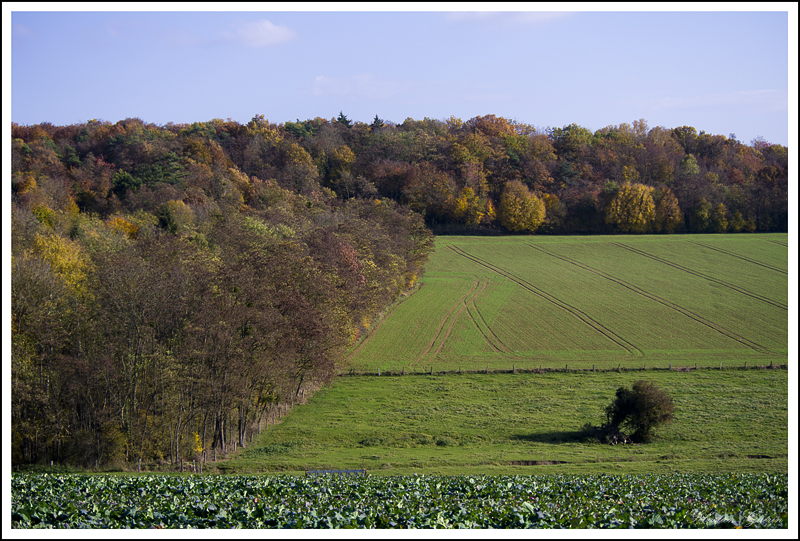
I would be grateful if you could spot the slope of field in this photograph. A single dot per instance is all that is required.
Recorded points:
(634, 301)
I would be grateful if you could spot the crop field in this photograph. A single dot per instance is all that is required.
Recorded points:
(631, 301)
(603, 501)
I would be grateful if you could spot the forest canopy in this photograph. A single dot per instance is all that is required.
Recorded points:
(171, 284)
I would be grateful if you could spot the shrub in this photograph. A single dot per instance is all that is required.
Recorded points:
(638, 410)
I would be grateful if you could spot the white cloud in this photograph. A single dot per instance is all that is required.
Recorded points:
(748, 100)
(22, 30)
(536, 17)
(507, 17)
(179, 36)
(260, 34)
(469, 15)
(364, 86)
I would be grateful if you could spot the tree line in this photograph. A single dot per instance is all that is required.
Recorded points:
(171, 284)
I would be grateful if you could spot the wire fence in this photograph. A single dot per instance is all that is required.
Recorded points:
(527, 369)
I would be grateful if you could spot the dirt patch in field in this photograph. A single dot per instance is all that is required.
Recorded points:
(535, 462)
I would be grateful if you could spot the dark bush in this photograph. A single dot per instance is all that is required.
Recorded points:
(638, 410)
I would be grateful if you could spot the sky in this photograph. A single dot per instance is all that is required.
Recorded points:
(721, 72)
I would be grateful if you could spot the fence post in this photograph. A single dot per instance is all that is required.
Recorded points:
(670, 366)
(745, 365)
(379, 371)
(592, 368)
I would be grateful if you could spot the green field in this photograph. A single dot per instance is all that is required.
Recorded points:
(460, 390)
(526, 302)
(729, 420)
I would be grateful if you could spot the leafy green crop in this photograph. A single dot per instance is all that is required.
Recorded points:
(563, 501)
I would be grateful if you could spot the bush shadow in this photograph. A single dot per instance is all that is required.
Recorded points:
(560, 436)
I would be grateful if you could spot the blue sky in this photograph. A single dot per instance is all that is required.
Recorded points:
(722, 72)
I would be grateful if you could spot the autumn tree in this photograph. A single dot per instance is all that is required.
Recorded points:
(700, 216)
(377, 123)
(718, 221)
(490, 125)
(571, 141)
(468, 207)
(632, 209)
(520, 210)
(556, 213)
(668, 212)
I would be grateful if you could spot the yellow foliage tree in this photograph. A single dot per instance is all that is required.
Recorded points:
(719, 219)
(520, 210)
(668, 213)
(121, 225)
(489, 214)
(45, 215)
(632, 210)
(342, 158)
(175, 216)
(67, 258)
(630, 174)
(468, 207)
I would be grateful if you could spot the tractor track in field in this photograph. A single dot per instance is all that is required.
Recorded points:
(743, 258)
(683, 311)
(576, 312)
(785, 244)
(491, 338)
(374, 329)
(460, 305)
(723, 283)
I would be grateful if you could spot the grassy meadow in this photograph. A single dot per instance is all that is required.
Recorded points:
(729, 420)
(526, 302)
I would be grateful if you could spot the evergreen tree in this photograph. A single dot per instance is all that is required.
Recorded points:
(342, 119)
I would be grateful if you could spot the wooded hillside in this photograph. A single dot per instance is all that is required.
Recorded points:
(172, 283)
